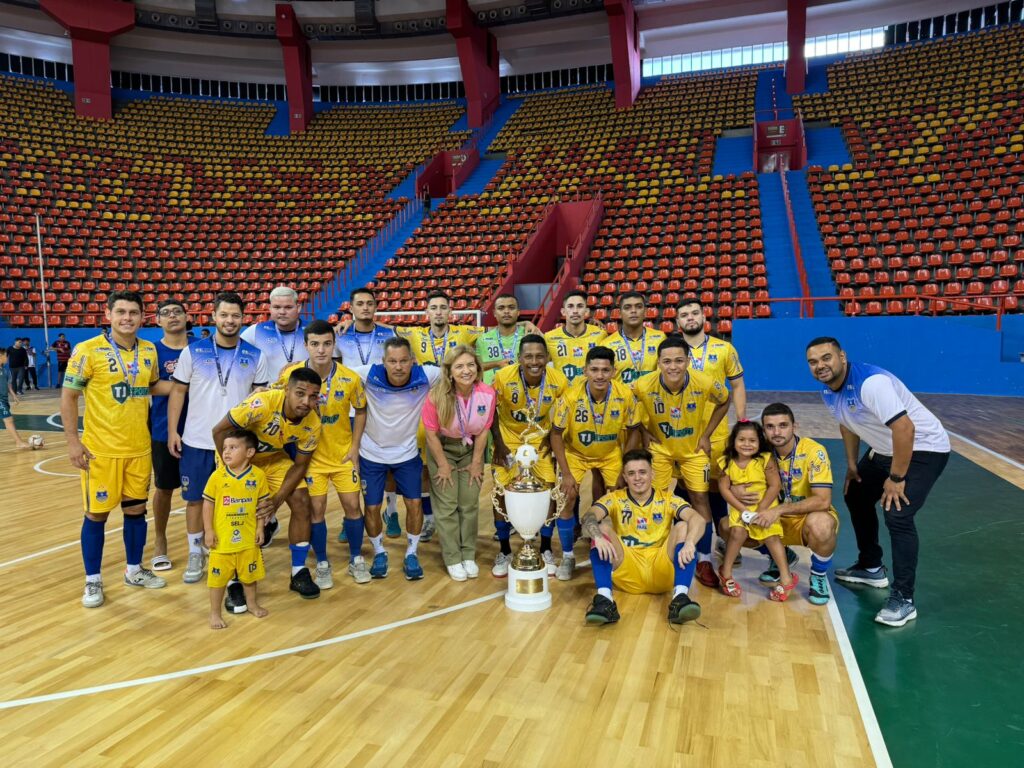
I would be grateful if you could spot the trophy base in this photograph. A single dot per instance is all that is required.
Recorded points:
(527, 590)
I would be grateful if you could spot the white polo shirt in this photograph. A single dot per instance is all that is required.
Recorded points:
(393, 413)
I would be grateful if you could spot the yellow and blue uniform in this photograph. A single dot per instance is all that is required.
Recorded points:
(635, 357)
(591, 431)
(754, 477)
(568, 353)
(677, 420)
(235, 498)
(717, 359)
(342, 390)
(807, 467)
(514, 400)
(643, 529)
(116, 385)
(263, 413)
(431, 350)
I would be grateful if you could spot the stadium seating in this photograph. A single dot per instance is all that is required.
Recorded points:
(664, 212)
(930, 210)
(188, 197)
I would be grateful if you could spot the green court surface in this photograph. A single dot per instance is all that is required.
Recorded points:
(32, 423)
(947, 688)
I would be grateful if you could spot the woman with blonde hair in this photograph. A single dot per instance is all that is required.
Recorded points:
(457, 417)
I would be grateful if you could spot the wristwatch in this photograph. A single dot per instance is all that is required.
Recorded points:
(897, 478)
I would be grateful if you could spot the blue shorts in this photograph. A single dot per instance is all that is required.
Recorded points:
(408, 479)
(196, 465)
(5, 409)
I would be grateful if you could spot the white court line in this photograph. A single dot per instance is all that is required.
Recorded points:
(11, 704)
(39, 468)
(52, 423)
(867, 713)
(59, 547)
(989, 451)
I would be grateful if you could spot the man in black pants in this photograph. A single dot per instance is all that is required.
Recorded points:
(17, 359)
(908, 449)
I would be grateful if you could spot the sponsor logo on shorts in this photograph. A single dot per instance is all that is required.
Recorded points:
(184, 482)
(102, 495)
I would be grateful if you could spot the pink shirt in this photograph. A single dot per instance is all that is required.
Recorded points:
(477, 413)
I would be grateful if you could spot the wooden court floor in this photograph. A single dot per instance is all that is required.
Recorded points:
(428, 673)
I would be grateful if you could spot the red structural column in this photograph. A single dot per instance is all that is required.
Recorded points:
(298, 68)
(624, 30)
(478, 59)
(796, 37)
(91, 26)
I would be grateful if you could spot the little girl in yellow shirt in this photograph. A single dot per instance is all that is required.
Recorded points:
(749, 461)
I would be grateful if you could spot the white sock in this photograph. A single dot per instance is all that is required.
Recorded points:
(873, 570)
(195, 543)
(93, 578)
(414, 541)
(378, 543)
(323, 564)
(702, 558)
(392, 499)
(131, 570)
(680, 589)
(605, 592)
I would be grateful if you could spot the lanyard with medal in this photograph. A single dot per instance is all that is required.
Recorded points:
(132, 369)
(509, 353)
(787, 476)
(594, 417)
(679, 394)
(225, 377)
(325, 395)
(289, 354)
(464, 420)
(638, 358)
(533, 405)
(434, 347)
(363, 358)
(703, 355)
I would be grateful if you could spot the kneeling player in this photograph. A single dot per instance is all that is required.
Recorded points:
(644, 542)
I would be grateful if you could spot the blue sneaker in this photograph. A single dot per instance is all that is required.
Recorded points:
(856, 574)
(392, 528)
(771, 575)
(412, 569)
(819, 593)
(379, 569)
(342, 536)
(898, 611)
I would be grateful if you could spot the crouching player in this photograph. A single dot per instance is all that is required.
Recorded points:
(643, 542)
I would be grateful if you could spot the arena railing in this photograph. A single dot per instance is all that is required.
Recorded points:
(798, 257)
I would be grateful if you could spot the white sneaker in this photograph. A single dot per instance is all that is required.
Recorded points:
(472, 569)
(457, 572)
(566, 568)
(194, 569)
(501, 564)
(93, 595)
(428, 528)
(549, 560)
(144, 578)
(358, 571)
(324, 577)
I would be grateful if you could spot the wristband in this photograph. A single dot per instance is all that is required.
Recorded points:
(897, 478)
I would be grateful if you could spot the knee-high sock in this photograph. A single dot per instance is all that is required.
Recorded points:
(683, 574)
(92, 545)
(318, 538)
(428, 508)
(504, 529)
(566, 528)
(704, 545)
(300, 552)
(134, 534)
(354, 531)
(820, 563)
(602, 570)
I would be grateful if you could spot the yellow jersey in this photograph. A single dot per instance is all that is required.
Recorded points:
(515, 398)
(719, 360)
(677, 419)
(116, 384)
(263, 413)
(641, 525)
(592, 429)
(568, 353)
(753, 475)
(807, 467)
(340, 392)
(235, 498)
(635, 357)
(430, 350)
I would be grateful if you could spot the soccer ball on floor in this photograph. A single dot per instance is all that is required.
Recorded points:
(36, 441)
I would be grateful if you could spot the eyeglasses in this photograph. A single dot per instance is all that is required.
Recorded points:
(171, 312)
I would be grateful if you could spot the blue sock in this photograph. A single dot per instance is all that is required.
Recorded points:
(546, 531)
(134, 534)
(354, 531)
(820, 565)
(602, 570)
(299, 554)
(764, 551)
(92, 545)
(428, 509)
(504, 529)
(704, 545)
(566, 528)
(683, 576)
(719, 508)
(318, 538)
